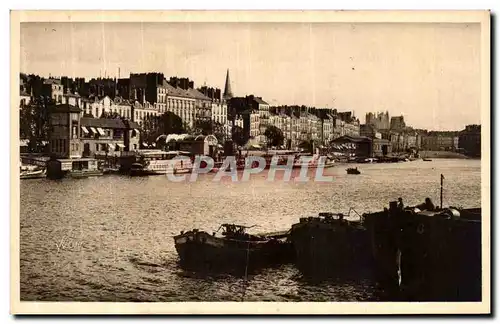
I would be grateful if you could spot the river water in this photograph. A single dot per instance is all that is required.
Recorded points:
(109, 238)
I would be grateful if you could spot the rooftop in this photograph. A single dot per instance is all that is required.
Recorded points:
(260, 101)
(115, 123)
(65, 108)
(51, 81)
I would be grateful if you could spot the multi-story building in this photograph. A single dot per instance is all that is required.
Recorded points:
(397, 123)
(470, 140)
(219, 112)
(255, 125)
(73, 99)
(328, 129)
(104, 136)
(438, 141)
(53, 88)
(122, 107)
(380, 120)
(143, 87)
(73, 136)
(346, 124)
(64, 139)
(370, 131)
(161, 98)
(182, 103)
(141, 112)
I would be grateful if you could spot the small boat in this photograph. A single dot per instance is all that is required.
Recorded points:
(426, 159)
(234, 249)
(32, 173)
(353, 171)
(157, 162)
(110, 170)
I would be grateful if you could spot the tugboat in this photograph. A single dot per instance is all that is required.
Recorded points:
(353, 171)
(234, 250)
(331, 246)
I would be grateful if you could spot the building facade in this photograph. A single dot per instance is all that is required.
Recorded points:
(469, 140)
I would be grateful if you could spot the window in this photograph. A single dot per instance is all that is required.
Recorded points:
(97, 147)
(135, 146)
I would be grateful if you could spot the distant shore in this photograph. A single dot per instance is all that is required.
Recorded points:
(443, 155)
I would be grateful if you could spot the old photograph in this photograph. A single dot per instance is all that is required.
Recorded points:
(278, 158)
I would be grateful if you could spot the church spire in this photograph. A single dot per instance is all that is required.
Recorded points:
(228, 94)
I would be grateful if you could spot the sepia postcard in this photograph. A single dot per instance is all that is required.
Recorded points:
(250, 162)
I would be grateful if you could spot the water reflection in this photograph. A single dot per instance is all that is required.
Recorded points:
(115, 233)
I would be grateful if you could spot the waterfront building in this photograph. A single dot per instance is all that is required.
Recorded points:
(161, 98)
(73, 136)
(107, 136)
(364, 146)
(53, 89)
(469, 140)
(64, 138)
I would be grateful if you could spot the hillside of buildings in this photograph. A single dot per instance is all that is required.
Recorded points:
(158, 106)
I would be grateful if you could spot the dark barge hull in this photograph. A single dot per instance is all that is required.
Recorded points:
(202, 251)
(438, 254)
(332, 250)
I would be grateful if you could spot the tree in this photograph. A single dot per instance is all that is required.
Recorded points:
(209, 127)
(34, 122)
(154, 126)
(274, 136)
(150, 129)
(239, 137)
(170, 123)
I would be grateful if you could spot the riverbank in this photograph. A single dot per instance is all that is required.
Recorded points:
(442, 155)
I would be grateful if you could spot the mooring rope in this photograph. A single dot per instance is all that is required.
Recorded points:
(246, 273)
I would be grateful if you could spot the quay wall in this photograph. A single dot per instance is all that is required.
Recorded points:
(442, 155)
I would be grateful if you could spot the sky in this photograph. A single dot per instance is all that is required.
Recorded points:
(429, 73)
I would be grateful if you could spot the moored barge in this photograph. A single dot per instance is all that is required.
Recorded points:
(432, 255)
(234, 250)
(331, 246)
